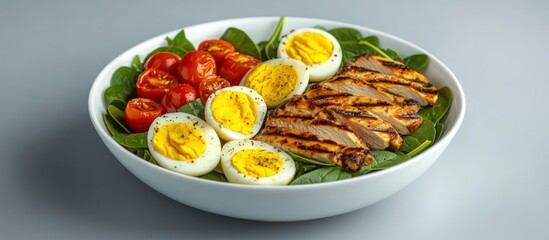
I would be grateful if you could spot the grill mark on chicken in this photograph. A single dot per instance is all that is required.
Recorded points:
(425, 93)
(388, 66)
(354, 114)
(395, 65)
(307, 144)
(317, 124)
(404, 121)
(345, 84)
(423, 86)
(305, 117)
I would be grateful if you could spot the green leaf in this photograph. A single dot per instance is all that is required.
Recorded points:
(119, 92)
(320, 175)
(306, 160)
(439, 110)
(391, 162)
(321, 28)
(420, 148)
(118, 115)
(137, 65)
(374, 40)
(124, 76)
(417, 62)
(439, 127)
(180, 40)
(375, 50)
(215, 176)
(241, 41)
(272, 44)
(393, 54)
(135, 140)
(172, 49)
(261, 46)
(195, 108)
(345, 35)
(409, 143)
(349, 51)
(426, 132)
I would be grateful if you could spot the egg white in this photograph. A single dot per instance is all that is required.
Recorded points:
(202, 164)
(227, 134)
(283, 177)
(320, 71)
(302, 77)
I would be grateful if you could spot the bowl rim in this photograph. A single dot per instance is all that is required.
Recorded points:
(458, 98)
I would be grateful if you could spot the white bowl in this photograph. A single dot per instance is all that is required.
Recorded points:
(277, 203)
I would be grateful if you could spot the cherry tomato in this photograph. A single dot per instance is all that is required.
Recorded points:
(210, 85)
(140, 113)
(164, 61)
(178, 96)
(195, 66)
(154, 84)
(236, 65)
(218, 49)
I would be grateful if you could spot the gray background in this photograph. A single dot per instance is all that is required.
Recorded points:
(58, 181)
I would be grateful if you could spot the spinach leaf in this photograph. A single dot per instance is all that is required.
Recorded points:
(215, 176)
(195, 108)
(172, 49)
(426, 132)
(180, 40)
(439, 127)
(118, 115)
(137, 65)
(374, 40)
(118, 92)
(135, 140)
(124, 76)
(305, 160)
(272, 44)
(320, 175)
(417, 62)
(321, 28)
(349, 51)
(380, 157)
(393, 54)
(261, 46)
(346, 35)
(241, 41)
(439, 110)
(419, 148)
(374, 49)
(390, 162)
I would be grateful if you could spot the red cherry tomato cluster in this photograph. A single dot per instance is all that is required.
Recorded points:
(169, 81)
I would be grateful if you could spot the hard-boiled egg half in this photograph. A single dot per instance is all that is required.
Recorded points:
(277, 80)
(318, 49)
(184, 143)
(235, 112)
(253, 162)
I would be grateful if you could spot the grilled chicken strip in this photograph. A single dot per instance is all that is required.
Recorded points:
(309, 145)
(404, 122)
(377, 133)
(424, 93)
(388, 66)
(322, 127)
(363, 88)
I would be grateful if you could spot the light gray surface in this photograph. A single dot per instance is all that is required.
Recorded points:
(58, 181)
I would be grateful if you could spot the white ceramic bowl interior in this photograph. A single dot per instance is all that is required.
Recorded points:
(277, 203)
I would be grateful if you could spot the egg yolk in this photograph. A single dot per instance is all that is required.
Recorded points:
(310, 48)
(272, 81)
(235, 111)
(179, 141)
(257, 163)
